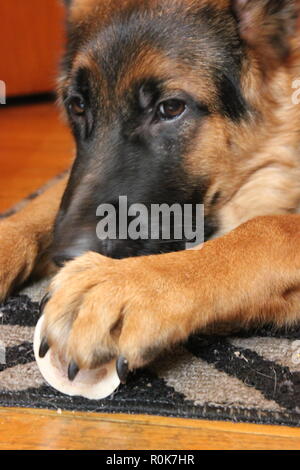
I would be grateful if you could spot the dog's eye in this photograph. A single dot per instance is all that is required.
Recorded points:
(171, 109)
(77, 106)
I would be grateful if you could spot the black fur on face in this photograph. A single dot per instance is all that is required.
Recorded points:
(132, 141)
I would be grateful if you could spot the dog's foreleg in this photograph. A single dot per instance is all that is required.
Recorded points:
(137, 307)
(26, 236)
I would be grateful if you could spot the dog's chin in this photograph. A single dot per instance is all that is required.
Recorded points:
(67, 247)
(116, 249)
(119, 249)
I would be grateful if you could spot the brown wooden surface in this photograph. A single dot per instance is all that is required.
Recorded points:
(35, 146)
(39, 429)
(31, 40)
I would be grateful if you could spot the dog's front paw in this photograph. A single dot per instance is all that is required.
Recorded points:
(18, 252)
(99, 309)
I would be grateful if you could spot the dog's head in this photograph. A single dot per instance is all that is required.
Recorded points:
(164, 98)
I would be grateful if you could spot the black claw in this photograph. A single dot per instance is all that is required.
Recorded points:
(122, 369)
(44, 302)
(44, 348)
(72, 370)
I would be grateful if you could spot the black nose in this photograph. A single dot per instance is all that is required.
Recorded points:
(68, 248)
(60, 259)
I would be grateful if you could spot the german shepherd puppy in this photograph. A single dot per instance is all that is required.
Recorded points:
(175, 101)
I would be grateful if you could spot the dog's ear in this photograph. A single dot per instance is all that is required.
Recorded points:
(267, 26)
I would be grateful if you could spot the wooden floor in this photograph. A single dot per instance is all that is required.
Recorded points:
(34, 429)
(34, 147)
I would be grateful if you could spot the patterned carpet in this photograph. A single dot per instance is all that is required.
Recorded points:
(251, 376)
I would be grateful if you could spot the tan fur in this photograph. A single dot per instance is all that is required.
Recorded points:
(101, 308)
(259, 172)
(25, 238)
(269, 181)
(157, 301)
